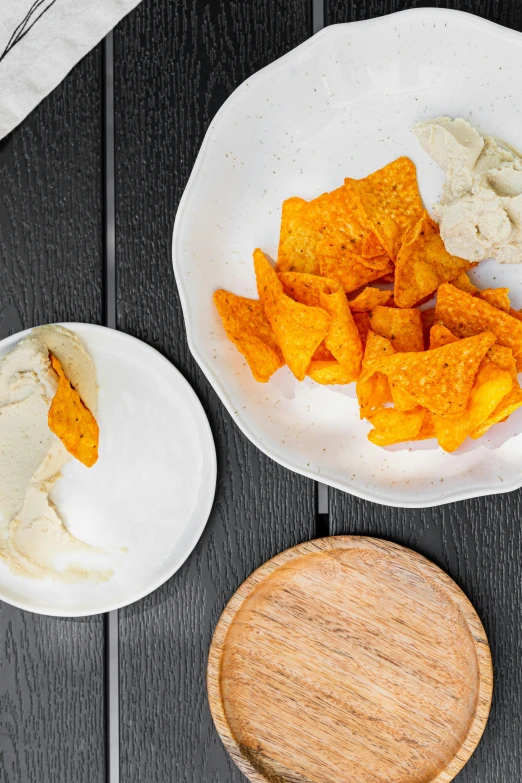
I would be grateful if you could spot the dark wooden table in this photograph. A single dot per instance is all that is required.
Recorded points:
(174, 63)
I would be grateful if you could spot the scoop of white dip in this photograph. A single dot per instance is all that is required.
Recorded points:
(33, 540)
(480, 212)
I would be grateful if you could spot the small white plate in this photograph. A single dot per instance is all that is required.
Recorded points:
(151, 491)
(342, 104)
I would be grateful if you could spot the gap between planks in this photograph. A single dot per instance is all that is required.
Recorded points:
(322, 524)
(322, 527)
(111, 618)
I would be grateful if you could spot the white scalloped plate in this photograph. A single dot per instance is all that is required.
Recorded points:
(341, 104)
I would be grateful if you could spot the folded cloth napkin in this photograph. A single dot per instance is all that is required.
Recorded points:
(40, 41)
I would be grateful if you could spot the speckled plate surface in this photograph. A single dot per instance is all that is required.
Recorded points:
(342, 104)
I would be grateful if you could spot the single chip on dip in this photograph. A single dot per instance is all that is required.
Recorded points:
(298, 329)
(248, 328)
(390, 200)
(368, 299)
(441, 379)
(402, 327)
(467, 315)
(423, 263)
(72, 421)
(498, 297)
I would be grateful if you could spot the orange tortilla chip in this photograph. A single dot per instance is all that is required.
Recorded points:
(373, 389)
(463, 282)
(392, 426)
(516, 313)
(306, 288)
(326, 226)
(298, 329)
(427, 429)
(368, 299)
(440, 335)
(441, 379)
(248, 328)
(297, 239)
(467, 315)
(342, 337)
(322, 354)
(423, 263)
(401, 399)
(491, 385)
(71, 420)
(498, 297)
(342, 226)
(503, 358)
(390, 200)
(328, 372)
(402, 327)
(380, 263)
(427, 318)
(362, 322)
(351, 272)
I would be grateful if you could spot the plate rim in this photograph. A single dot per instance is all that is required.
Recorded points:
(428, 569)
(195, 178)
(202, 420)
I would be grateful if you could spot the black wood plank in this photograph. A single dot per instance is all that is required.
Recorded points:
(175, 63)
(477, 542)
(507, 13)
(51, 269)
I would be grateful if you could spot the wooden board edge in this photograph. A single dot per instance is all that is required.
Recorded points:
(429, 569)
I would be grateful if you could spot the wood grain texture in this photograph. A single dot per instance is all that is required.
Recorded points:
(51, 269)
(478, 542)
(507, 13)
(175, 63)
(349, 658)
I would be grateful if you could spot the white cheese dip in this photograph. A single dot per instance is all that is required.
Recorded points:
(33, 540)
(480, 212)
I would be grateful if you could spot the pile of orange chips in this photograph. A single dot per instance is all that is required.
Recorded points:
(447, 372)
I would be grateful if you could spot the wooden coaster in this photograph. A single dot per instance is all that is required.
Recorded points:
(349, 660)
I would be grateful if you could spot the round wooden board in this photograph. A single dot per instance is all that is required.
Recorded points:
(349, 660)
